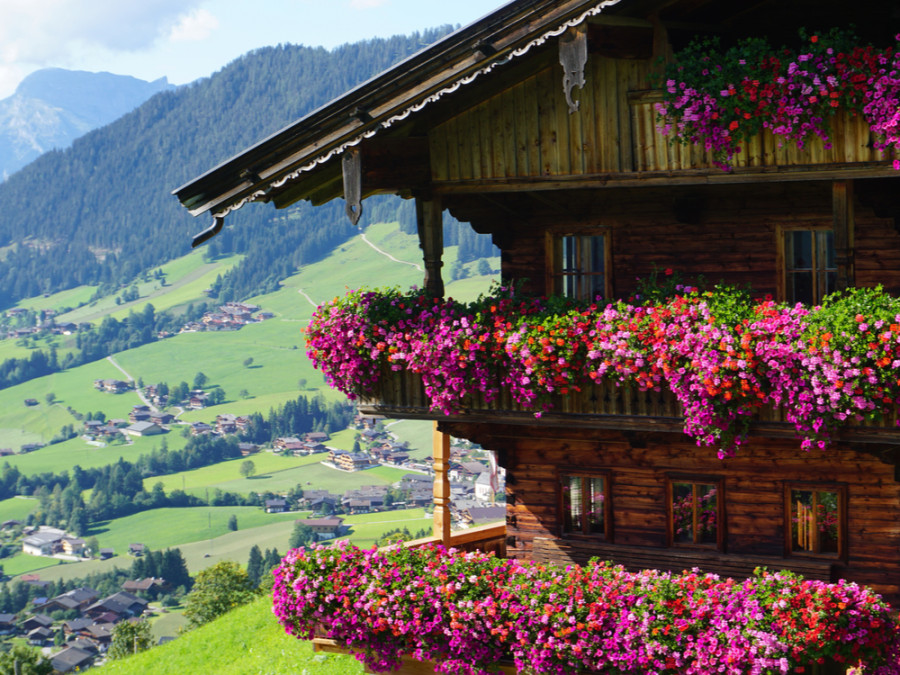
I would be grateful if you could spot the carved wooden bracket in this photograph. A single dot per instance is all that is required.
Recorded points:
(573, 54)
(352, 167)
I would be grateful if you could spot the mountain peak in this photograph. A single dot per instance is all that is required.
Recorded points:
(53, 106)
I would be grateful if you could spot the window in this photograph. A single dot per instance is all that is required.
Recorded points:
(579, 266)
(816, 520)
(810, 270)
(585, 504)
(695, 512)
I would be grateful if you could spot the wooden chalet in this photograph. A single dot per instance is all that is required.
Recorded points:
(537, 125)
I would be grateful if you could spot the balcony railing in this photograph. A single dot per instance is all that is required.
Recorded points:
(401, 395)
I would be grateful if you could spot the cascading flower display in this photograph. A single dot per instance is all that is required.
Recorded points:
(718, 98)
(467, 611)
(721, 353)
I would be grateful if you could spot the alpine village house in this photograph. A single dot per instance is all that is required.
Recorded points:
(538, 125)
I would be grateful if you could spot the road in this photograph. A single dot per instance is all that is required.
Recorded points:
(128, 377)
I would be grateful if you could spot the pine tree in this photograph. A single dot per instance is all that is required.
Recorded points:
(254, 566)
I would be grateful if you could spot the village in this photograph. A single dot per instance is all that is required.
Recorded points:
(75, 627)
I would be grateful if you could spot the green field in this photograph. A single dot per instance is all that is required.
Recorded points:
(202, 551)
(186, 278)
(170, 527)
(247, 640)
(63, 456)
(17, 508)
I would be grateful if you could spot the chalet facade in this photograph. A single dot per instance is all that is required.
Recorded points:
(538, 126)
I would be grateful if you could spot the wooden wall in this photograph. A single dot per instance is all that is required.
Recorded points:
(754, 484)
(526, 130)
(734, 237)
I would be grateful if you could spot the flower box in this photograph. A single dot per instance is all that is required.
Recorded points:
(435, 610)
(711, 363)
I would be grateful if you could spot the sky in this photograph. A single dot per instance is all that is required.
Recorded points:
(187, 39)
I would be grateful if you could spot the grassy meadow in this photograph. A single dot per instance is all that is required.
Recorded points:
(279, 372)
(244, 641)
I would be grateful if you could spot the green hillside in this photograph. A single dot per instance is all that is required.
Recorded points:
(246, 641)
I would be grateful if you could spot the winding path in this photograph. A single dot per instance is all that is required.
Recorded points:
(385, 253)
(311, 301)
(128, 377)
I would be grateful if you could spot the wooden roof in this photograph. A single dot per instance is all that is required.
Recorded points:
(296, 162)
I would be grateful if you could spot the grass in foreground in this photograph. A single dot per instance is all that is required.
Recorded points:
(245, 641)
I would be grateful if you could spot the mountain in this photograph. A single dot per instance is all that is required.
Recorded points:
(101, 211)
(53, 107)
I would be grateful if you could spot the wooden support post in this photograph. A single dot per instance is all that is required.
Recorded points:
(430, 222)
(351, 166)
(441, 447)
(843, 225)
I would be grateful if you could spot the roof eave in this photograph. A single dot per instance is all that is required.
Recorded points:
(325, 132)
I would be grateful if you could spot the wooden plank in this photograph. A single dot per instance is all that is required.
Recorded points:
(560, 121)
(532, 129)
(508, 121)
(486, 141)
(545, 87)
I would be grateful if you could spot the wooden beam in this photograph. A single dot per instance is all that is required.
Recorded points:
(739, 175)
(429, 219)
(441, 456)
(842, 213)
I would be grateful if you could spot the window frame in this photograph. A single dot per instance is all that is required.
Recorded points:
(843, 532)
(719, 482)
(554, 274)
(782, 260)
(586, 474)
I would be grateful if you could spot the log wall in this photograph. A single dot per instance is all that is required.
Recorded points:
(735, 236)
(754, 484)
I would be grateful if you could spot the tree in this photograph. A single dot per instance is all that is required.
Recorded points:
(200, 380)
(130, 637)
(50, 397)
(301, 536)
(255, 565)
(22, 660)
(484, 267)
(248, 468)
(217, 590)
(248, 362)
(232, 523)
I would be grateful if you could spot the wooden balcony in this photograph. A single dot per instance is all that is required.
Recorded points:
(603, 405)
(489, 538)
(851, 144)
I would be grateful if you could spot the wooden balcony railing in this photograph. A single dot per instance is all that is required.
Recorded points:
(851, 143)
(603, 405)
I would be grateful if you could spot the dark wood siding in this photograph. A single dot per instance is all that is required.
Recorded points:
(754, 485)
(732, 234)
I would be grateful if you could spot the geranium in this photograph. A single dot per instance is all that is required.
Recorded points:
(722, 354)
(719, 98)
(466, 611)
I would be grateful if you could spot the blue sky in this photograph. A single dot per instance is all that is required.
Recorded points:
(187, 39)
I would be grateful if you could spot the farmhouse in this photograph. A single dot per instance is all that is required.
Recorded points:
(143, 429)
(538, 125)
(324, 528)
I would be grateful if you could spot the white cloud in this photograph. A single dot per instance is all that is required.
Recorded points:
(194, 27)
(366, 4)
(53, 31)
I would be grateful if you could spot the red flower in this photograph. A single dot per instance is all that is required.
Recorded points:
(668, 271)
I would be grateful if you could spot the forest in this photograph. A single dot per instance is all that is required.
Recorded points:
(107, 213)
